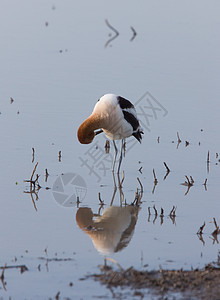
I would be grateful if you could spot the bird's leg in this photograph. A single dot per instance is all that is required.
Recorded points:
(120, 158)
(115, 189)
(116, 151)
(120, 189)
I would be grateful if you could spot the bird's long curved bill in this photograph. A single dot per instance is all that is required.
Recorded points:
(98, 132)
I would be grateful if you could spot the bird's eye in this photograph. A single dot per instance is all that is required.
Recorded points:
(98, 100)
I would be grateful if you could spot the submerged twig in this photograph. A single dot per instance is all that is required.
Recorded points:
(188, 183)
(107, 147)
(178, 139)
(168, 170)
(155, 182)
(22, 268)
(138, 195)
(34, 186)
(100, 200)
(57, 297)
(155, 178)
(114, 30)
(214, 220)
(2, 277)
(172, 215)
(134, 34)
(200, 231)
(77, 202)
(149, 214)
(173, 212)
(201, 238)
(141, 186)
(140, 170)
(217, 230)
(161, 216)
(155, 210)
(59, 156)
(191, 180)
(46, 175)
(33, 152)
(35, 167)
(33, 192)
(34, 182)
(205, 184)
(208, 161)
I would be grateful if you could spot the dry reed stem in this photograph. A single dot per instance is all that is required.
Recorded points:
(200, 231)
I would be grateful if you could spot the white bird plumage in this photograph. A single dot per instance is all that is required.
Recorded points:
(117, 117)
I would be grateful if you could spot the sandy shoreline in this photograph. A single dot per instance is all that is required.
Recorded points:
(196, 284)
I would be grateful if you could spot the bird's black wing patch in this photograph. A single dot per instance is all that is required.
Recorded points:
(137, 135)
(124, 103)
(131, 119)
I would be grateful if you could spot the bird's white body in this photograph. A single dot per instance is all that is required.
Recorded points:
(117, 117)
(115, 126)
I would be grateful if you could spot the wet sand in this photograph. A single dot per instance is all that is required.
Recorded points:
(194, 284)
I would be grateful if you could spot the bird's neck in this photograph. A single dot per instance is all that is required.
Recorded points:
(87, 128)
(92, 123)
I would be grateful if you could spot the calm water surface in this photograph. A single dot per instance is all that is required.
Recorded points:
(55, 65)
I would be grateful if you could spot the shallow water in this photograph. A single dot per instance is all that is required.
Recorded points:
(55, 66)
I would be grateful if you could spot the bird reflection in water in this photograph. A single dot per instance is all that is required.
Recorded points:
(111, 231)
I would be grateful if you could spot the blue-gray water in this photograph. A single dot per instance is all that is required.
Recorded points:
(55, 66)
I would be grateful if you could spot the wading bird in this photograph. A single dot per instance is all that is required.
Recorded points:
(117, 117)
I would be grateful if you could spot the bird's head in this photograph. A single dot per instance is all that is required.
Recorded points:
(85, 134)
